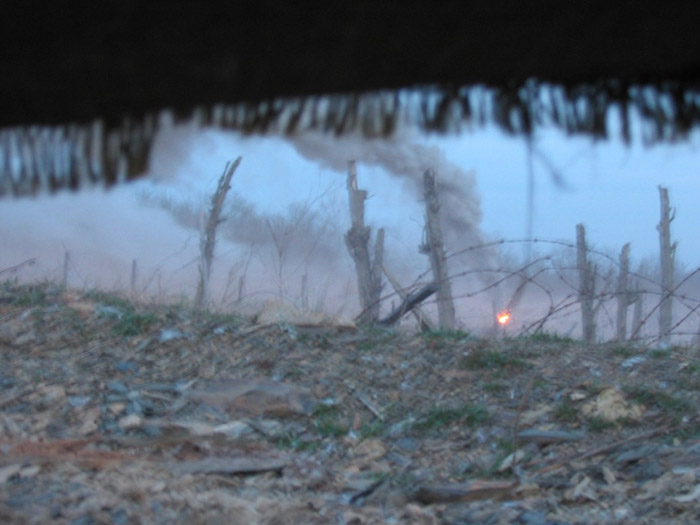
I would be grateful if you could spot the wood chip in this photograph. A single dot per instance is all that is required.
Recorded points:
(460, 492)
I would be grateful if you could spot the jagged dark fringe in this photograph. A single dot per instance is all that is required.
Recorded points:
(39, 159)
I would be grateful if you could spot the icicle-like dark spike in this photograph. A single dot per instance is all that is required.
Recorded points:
(58, 157)
(348, 116)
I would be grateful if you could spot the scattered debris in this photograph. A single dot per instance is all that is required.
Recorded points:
(107, 418)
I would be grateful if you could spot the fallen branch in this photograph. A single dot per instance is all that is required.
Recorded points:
(28, 262)
(462, 492)
(370, 405)
(558, 463)
(425, 324)
(409, 303)
(523, 403)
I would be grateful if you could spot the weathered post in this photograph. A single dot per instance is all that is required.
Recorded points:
(357, 241)
(586, 285)
(623, 294)
(668, 251)
(66, 265)
(435, 248)
(637, 319)
(133, 275)
(304, 292)
(208, 240)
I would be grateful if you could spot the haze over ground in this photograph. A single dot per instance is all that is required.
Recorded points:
(608, 186)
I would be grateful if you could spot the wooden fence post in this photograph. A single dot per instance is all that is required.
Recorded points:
(357, 241)
(133, 275)
(208, 240)
(66, 264)
(586, 285)
(304, 292)
(637, 319)
(436, 250)
(667, 254)
(623, 294)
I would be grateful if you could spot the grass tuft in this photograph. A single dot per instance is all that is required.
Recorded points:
(482, 359)
(467, 414)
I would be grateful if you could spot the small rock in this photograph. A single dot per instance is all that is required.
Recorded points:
(269, 427)
(646, 470)
(117, 387)
(8, 472)
(256, 396)
(234, 429)
(530, 517)
(117, 408)
(407, 444)
(399, 429)
(632, 361)
(621, 513)
(151, 430)
(127, 366)
(25, 338)
(143, 345)
(129, 422)
(29, 472)
(134, 408)
(52, 394)
(89, 423)
(369, 451)
(636, 454)
(78, 401)
(511, 459)
(170, 334)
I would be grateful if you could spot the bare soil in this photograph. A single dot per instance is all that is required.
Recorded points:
(117, 412)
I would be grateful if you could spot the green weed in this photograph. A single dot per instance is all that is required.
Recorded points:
(690, 377)
(30, 295)
(669, 404)
(369, 430)
(467, 414)
(506, 446)
(133, 323)
(326, 421)
(598, 424)
(565, 411)
(623, 350)
(540, 383)
(366, 346)
(330, 429)
(692, 369)
(546, 337)
(481, 359)
(294, 373)
(686, 432)
(495, 387)
(446, 335)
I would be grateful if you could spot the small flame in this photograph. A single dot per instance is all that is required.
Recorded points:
(503, 318)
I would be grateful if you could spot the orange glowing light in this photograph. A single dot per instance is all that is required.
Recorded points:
(503, 318)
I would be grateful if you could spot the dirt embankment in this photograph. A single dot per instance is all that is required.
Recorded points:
(114, 412)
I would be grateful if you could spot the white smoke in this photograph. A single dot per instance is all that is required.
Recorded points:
(405, 159)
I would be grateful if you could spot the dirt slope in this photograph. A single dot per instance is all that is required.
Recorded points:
(113, 412)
